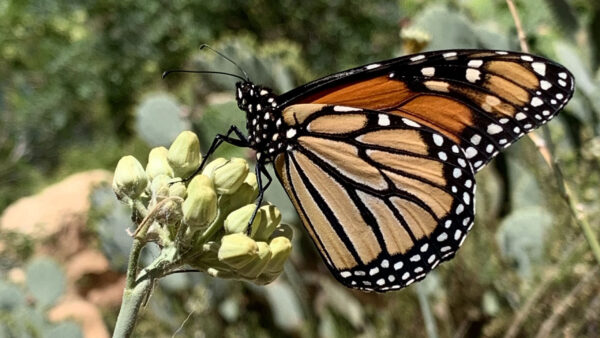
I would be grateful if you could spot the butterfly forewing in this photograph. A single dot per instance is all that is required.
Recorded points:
(384, 198)
(482, 100)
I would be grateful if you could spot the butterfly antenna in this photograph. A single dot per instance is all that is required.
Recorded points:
(164, 74)
(226, 58)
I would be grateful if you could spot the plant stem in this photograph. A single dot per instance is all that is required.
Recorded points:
(545, 148)
(132, 300)
(430, 326)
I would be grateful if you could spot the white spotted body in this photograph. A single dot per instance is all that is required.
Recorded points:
(266, 132)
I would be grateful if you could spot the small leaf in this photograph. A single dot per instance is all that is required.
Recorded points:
(521, 237)
(45, 281)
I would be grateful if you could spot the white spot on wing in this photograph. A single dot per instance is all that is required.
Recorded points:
(475, 63)
(493, 129)
(383, 120)
(473, 75)
(438, 140)
(536, 101)
(428, 71)
(449, 55)
(539, 68)
(526, 58)
(373, 66)
(417, 58)
(470, 152)
(345, 109)
(545, 85)
(410, 123)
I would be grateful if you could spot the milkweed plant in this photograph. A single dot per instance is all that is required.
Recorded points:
(199, 224)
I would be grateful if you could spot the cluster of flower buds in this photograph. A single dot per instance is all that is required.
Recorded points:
(207, 219)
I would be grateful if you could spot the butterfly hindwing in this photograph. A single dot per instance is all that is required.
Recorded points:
(384, 198)
(482, 100)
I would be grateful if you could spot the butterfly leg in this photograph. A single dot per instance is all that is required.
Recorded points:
(241, 141)
(259, 170)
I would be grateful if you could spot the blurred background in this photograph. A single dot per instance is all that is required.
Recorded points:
(80, 87)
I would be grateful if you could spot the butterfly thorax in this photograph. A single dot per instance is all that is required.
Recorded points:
(263, 120)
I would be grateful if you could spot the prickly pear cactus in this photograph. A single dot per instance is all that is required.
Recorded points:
(23, 309)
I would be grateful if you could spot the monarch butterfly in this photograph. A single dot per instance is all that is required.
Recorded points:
(379, 160)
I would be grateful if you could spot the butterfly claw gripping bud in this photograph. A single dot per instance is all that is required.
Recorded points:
(230, 176)
(158, 163)
(200, 206)
(130, 179)
(184, 154)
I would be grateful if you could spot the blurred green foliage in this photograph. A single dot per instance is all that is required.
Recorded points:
(76, 79)
(23, 308)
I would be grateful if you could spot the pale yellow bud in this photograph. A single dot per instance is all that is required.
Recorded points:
(209, 168)
(177, 189)
(200, 206)
(184, 154)
(281, 247)
(199, 181)
(158, 163)
(237, 250)
(160, 186)
(230, 176)
(258, 265)
(130, 178)
(237, 221)
(271, 217)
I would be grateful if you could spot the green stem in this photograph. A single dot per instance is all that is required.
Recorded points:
(572, 201)
(430, 326)
(132, 300)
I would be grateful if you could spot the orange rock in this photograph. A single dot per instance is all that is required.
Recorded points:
(84, 313)
(46, 213)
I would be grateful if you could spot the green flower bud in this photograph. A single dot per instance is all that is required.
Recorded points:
(177, 189)
(248, 191)
(159, 187)
(230, 176)
(209, 168)
(200, 206)
(281, 247)
(198, 182)
(157, 163)
(130, 178)
(237, 250)
(237, 221)
(271, 217)
(184, 154)
(260, 262)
